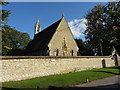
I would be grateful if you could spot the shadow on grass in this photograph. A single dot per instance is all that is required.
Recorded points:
(6, 88)
(117, 67)
(104, 87)
(108, 72)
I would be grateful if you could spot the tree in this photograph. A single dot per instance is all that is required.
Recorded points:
(4, 13)
(11, 38)
(3, 18)
(84, 49)
(103, 28)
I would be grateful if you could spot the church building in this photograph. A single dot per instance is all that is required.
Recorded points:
(55, 40)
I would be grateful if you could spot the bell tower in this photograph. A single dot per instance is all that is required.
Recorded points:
(37, 27)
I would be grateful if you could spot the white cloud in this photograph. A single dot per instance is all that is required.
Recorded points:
(77, 27)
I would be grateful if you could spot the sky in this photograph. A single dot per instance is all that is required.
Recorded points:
(24, 15)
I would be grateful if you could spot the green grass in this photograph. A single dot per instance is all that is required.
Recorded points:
(63, 80)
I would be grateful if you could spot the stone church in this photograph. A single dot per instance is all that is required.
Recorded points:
(55, 40)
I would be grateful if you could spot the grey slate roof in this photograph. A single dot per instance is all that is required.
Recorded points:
(42, 39)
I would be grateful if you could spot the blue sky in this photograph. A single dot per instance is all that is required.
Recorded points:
(24, 14)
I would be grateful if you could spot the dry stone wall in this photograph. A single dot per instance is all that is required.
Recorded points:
(23, 67)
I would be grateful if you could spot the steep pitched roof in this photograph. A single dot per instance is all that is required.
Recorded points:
(42, 39)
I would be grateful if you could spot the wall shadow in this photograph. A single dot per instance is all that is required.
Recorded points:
(103, 87)
(6, 88)
(115, 67)
(108, 72)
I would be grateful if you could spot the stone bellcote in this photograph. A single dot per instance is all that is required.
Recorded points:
(37, 27)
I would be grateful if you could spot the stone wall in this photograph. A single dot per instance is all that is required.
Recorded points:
(25, 67)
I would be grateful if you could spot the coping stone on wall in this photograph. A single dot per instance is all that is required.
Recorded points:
(42, 57)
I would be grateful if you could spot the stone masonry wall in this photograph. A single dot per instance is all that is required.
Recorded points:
(23, 67)
(63, 40)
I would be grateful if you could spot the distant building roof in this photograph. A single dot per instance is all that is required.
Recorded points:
(42, 39)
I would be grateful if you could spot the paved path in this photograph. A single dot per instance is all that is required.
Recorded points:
(109, 82)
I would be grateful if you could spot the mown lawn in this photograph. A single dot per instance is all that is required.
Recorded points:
(64, 80)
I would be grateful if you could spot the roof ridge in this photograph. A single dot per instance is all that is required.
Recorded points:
(50, 25)
(42, 39)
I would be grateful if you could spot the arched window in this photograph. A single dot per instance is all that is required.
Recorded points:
(57, 51)
(72, 53)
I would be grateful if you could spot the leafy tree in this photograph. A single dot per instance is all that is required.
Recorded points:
(84, 49)
(4, 13)
(11, 38)
(103, 28)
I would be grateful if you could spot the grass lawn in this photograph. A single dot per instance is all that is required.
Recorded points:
(64, 80)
